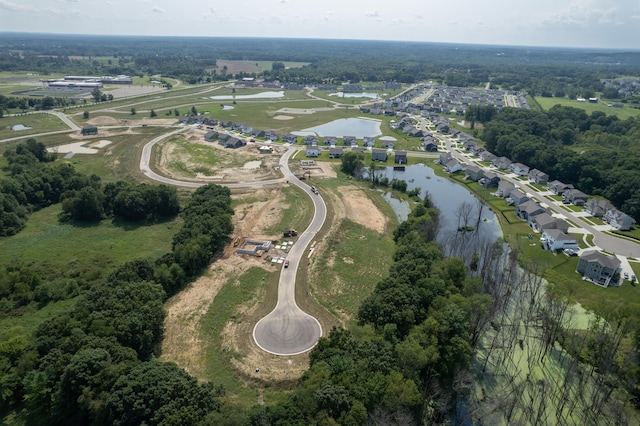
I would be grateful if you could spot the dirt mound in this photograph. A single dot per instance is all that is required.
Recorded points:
(360, 209)
(103, 120)
(283, 117)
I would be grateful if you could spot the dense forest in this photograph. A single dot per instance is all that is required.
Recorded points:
(95, 364)
(597, 153)
(538, 70)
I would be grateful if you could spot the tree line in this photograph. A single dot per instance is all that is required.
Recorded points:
(96, 363)
(597, 153)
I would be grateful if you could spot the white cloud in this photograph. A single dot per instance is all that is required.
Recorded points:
(157, 9)
(372, 14)
(14, 7)
(73, 1)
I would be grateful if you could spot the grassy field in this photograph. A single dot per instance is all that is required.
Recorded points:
(298, 213)
(39, 123)
(78, 253)
(622, 113)
(267, 65)
(235, 293)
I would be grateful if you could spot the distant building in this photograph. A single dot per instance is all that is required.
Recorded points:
(89, 130)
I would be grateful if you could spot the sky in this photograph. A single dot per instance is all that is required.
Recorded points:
(563, 23)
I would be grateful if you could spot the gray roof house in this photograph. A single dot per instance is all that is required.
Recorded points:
(313, 151)
(536, 176)
(599, 268)
(558, 187)
(335, 152)
(378, 154)
(543, 221)
(575, 196)
(598, 208)
(555, 240)
(368, 141)
(444, 158)
(487, 156)
(619, 220)
(502, 163)
(490, 180)
(349, 141)
(400, 157)
(519, 169)
(504, 188)
(453, 166)
(233, 143)
(330, 140)
(474, 173)
(517, 197)
(211, 136)
(528, 209)
(431, 146)
(289, 138)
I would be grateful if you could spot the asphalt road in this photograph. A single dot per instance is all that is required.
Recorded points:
(287, 330)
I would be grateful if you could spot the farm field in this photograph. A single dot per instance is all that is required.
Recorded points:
(623, 113)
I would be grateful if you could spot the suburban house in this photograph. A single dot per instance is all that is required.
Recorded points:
(502, 163)
(598, 208)
(271, 135)
(378, 154)
(311, 140)
(233, 143)
(289, 138)
(544, 221)
(575, 196)
(368, 141)
(487, 156)
(536, 176)
(444, 158)
(330, 140)
(335, 152)
(265, 149)
(89, 130)
(211, 136)
(599, 268)
(470, 145)
(453, 166)
(400, 157)
(490, 180)
(618, 220)
(430, 146)
(505, 188)
(313, 151)
(558, 187)
(517, 197)
(556, 240)
(519, 169)
(349, 141)
(528, 209)
(474, 173)
(388, 143)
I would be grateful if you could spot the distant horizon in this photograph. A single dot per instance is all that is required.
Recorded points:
(590, 24)
(553, 47)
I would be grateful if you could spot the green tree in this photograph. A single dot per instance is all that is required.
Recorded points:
(96, 94)
(194, 111)
(155, 393)
(85, 115)
(153, 114)
(133, 111)
(352, 162)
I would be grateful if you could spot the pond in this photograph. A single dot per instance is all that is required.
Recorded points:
(358, 127)
(261, 95)
(449, 198)
(356, 95)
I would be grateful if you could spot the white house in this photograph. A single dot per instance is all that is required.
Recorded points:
(557, 240)
(519, 169)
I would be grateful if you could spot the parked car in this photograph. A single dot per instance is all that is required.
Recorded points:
(626, 275)
(286, 263)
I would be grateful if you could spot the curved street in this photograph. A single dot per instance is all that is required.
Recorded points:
(287, 330)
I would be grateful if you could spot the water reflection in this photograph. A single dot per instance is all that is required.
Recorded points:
(465, 223)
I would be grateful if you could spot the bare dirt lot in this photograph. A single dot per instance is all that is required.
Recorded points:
(190, 157)
(258, 210)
